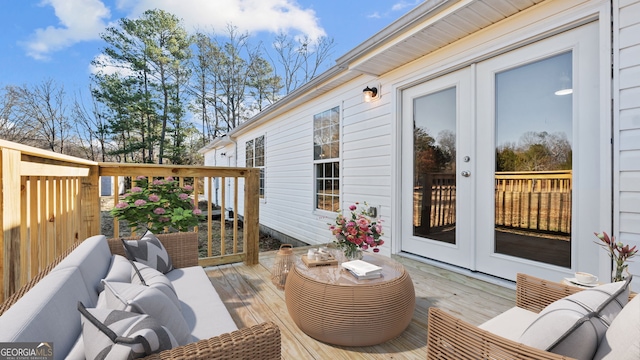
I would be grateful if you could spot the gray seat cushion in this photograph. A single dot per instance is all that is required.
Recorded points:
(47, 312)
(93, 258)
(201, 305)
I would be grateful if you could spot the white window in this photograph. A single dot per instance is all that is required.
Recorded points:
(326, 159)
(254, 155)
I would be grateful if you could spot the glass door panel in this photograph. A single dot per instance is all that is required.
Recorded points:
(434, 173)
(437, 141)
(533, 168)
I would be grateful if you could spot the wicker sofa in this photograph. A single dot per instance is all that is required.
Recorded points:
(261, 341)
(451, 338)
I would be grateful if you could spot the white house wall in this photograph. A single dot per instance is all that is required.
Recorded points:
(627, 89)
(370, 162)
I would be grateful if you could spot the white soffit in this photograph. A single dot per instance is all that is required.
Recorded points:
(442, 28)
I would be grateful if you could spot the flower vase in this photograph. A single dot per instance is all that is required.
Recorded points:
(620, 273)
(353, 253)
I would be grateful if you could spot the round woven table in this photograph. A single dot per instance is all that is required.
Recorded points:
(331, 305)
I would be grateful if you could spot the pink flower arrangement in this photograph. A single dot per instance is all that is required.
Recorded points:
(158, 205)
(357, 230)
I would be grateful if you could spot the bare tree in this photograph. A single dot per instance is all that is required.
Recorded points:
(300, 59)
(92, 129)
(13, 125)
(44, 105)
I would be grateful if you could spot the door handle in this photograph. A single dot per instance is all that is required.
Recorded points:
(465, 173)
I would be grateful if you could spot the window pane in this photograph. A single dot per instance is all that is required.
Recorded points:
(249, 153)
(326, 134)
(328, 167)
(434, 176)
(262, 183)
(533, 124)
(259, 152)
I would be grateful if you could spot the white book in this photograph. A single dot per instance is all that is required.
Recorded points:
(374, 275)
(361, 268)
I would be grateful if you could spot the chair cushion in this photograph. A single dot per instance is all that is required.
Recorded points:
(151, 301)
(622, 340)
(149, 251)
(115, 334)
(92, 257)
(47, 312)
(511, 323)
(573, 326)
(201, 305)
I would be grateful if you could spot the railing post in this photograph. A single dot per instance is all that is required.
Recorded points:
(9, 221)
(251, 216)
(90, 203)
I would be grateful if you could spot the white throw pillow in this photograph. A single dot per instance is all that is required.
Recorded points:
(573, 326)
(147, 300)
(142, 274)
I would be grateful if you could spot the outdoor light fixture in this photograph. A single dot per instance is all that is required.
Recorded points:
(370, 93)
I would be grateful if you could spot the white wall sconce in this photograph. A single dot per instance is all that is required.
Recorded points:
(370, 94)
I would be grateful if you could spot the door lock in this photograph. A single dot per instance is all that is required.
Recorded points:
(465, 173)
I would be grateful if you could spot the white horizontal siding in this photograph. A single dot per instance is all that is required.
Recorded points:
(629, 126)
(368, 147)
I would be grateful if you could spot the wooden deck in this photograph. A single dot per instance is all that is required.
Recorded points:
(251, 298)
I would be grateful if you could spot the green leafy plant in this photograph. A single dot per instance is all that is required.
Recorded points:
(618, 252)
(158, 205)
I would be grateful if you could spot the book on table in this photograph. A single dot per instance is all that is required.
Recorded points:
(362, 269)
(365, 277)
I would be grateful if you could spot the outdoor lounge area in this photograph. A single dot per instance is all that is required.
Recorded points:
(42, 259)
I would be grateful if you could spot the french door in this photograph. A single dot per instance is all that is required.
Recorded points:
(501, 161)
(436, 120)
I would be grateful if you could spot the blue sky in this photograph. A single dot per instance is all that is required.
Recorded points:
(57, 39)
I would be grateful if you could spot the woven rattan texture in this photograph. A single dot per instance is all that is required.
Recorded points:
(451, 338)
(182, 247)
(258, 342)
(358, 315)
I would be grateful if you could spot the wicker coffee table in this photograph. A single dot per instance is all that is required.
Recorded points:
(331, 305)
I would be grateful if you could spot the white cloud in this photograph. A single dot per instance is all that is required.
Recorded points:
(375, 15)
(84, 20)
(110, 67)
(80, 20)
(404, 4)
(247, 15)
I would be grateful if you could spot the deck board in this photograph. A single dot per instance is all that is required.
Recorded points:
(251, 298)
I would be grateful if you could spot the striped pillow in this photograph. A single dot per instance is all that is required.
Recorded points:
(117, 334)
(149, 251)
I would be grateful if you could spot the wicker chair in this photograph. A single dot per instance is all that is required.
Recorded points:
(257, 342)
(451, 338)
